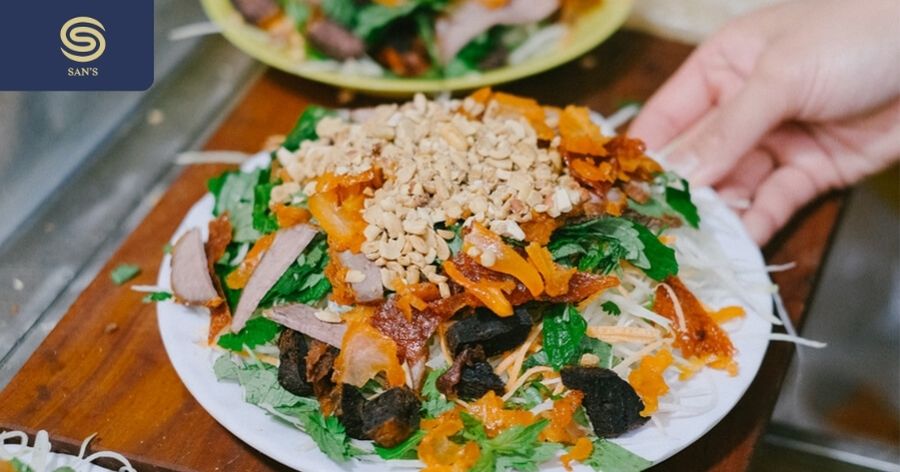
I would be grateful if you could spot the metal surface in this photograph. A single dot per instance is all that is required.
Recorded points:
(90, 167)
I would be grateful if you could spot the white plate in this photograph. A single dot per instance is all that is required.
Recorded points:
(184, 334)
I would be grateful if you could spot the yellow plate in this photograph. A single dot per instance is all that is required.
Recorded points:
(591, 28)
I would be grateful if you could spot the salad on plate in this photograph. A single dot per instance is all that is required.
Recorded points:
(412, 38)
(477, 284)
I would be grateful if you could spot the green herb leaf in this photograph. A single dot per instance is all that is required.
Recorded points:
(563, 331)
(609, 456)
(303, 281)
(235, 193)
(225, 369)
(516, 448)
(167, 248)
(599, 244)
(472, 430)
(341, 11)
(670, 197)
(527, 396)
(20, 466)
(661, 258)
(600, 349)
(611, 308)
(404, 450)
(297, 10)
(434, 402)
(157, 297)
(330, 435)
(467, 60)
(680, 200)
(305, 129)
(373, 19)
(257, 331)
(264, 220)
(123, 273)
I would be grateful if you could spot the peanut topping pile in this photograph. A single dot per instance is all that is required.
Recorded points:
(442, 162)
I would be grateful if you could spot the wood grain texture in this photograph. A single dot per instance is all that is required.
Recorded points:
(103, 369)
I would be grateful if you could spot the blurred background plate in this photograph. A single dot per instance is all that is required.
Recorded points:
(591, 29)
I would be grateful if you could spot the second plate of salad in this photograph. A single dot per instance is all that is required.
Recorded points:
(399, 47)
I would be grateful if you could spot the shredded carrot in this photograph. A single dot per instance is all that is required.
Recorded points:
(647, 379)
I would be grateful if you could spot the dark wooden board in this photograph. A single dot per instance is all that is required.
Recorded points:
(103, 369)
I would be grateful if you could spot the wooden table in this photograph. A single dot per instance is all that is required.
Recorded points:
(103, 369)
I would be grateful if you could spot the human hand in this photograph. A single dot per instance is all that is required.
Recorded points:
(783, 105)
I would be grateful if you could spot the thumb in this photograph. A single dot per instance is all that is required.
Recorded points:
(712, 147)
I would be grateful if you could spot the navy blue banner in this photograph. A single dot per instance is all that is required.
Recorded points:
(76, 45)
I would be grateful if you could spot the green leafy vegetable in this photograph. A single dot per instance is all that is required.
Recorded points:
(305, 129)
(304, 280)
(20, 466)
(404, 450)
(297, 10)
(670, 197)
(264, 220)
(611, 308)
(467, 60)
(261, 388)
(434, 402)
(516, 448)
(123, 273)
(157, 297)
(563, 331)
(330, 435)
(341, 11)
(257, 331)
(597, 245)
(600, 349)
(528, 396)
(536, 359)
(680, 200)
(610, 457)
(167, 248)
(373, 19)
(235, 193)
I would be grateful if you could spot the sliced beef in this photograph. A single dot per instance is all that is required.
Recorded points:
(334, 40)
(293, 348)
(257, 12)
(351, 412)
(300, 317)
(289, 243)
(470, 377)
(391, 417)
(491, 332)
(611, 403)
(191, 281)
(370, 289)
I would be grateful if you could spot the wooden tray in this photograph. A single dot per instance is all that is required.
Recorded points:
(103, 369)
